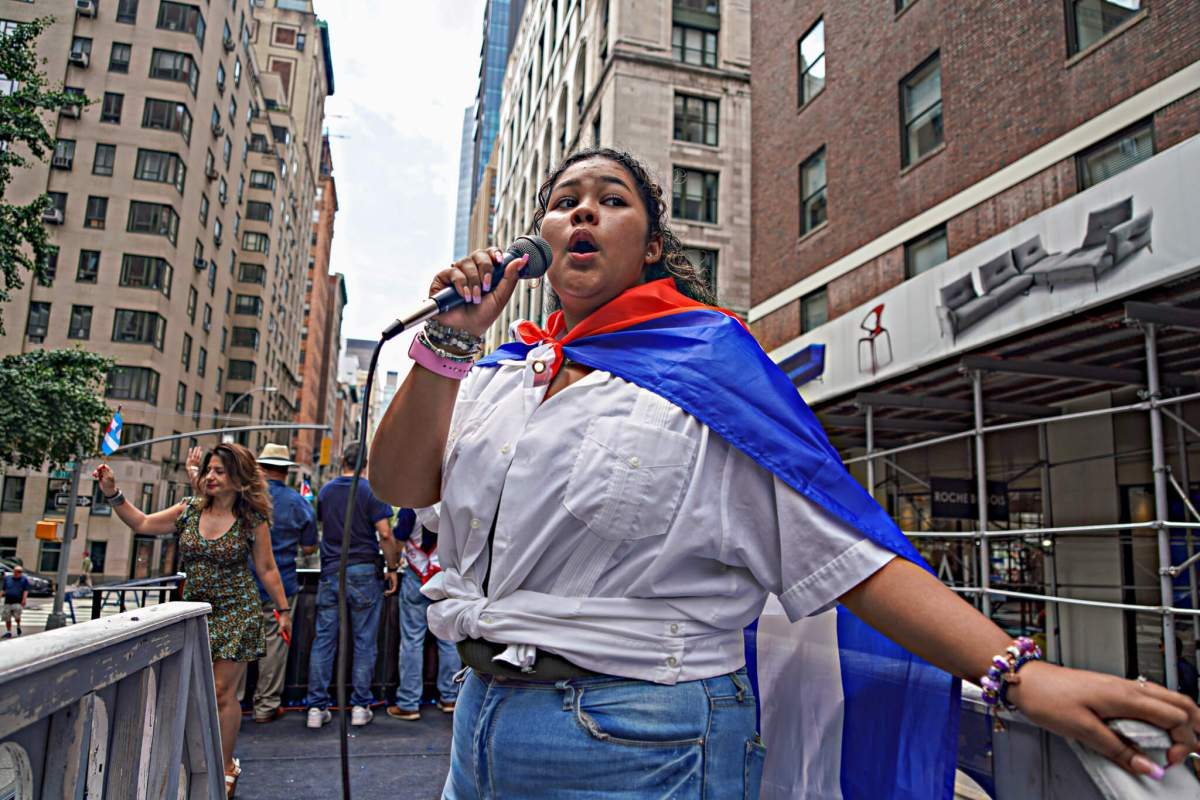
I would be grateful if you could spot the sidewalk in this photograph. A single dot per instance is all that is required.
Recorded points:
(284, 760)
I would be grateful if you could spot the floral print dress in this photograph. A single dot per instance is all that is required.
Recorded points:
(218, 573)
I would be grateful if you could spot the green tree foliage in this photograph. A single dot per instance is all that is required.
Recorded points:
(51, 406)
(24, 245)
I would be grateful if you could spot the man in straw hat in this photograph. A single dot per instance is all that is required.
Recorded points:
(293, 524)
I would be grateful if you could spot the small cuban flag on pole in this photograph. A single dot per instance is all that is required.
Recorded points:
(112, 434)
(306, 490)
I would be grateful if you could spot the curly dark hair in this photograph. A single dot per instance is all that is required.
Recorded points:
(673, 263)
(244, 474)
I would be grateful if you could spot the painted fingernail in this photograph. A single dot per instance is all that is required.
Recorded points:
(487, 282)
(1147, 767)
(478, 295)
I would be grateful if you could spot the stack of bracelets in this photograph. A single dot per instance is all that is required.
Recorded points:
(446, 351)
(1003, 673)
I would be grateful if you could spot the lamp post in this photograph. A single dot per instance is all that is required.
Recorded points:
(234, 405)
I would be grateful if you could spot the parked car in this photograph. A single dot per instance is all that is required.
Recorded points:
(39, 586)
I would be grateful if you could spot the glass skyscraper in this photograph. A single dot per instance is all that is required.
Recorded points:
(500, 21)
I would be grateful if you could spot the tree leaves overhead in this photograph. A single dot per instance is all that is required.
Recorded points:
(51, 406)
(24, 244)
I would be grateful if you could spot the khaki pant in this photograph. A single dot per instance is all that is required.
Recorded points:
(272, 667)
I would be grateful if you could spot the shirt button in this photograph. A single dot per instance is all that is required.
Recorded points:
(674, 628)
(475, 523)
(539, 367)
(486, 619)
(505, 448)
(672, 661)
(635, 462)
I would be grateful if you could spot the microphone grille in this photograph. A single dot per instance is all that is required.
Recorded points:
(539, 252)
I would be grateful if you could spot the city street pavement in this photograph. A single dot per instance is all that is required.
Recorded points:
(284, 760)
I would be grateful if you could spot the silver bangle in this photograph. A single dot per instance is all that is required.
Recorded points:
(116, 500)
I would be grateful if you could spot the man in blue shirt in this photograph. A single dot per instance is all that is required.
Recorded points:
(16, 592)
(293, 525)
(370, 530)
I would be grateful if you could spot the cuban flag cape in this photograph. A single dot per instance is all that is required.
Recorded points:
(844, 712)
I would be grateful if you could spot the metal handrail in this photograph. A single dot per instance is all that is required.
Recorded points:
(161, 584)
(1016, 533)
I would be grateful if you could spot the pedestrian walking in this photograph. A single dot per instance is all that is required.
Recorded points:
(293, 529)
(370, 531)
(420, 555)
(16, 592)
(621, 490)
(220, 530)
(85, 577)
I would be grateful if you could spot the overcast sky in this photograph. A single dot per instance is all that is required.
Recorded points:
(403, 73)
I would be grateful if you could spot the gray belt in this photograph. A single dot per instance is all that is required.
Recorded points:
(477, 654)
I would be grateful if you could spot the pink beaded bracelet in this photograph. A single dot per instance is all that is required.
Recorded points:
(1003, 671)
(420, 352)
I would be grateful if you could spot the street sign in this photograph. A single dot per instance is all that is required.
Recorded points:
(61, 499)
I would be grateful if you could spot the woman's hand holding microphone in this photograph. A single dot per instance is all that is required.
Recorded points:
(471, 277)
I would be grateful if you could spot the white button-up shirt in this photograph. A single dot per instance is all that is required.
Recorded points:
(629, 538)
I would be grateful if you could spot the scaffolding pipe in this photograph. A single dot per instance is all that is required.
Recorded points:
(981, 492)
(1049, 561)
(1074, 601)
(1181, 422)
(1145, 405)
(870, 447)
(1185, 475)
(1158, 457)
(1018, 532)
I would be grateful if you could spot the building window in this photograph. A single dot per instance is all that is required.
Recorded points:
(133, 383)
(260, 212)
(253, 273)
(245, 337)
(240, 370)
(204, 210)
(925, 252)
(921, 109)
(247, 304)
(97, 551)
(262, 180)
(146, 272)
(1089, 21)
(118, 57)
(256, 242)
(206, 318)
(97, 211)
(134, 432)
(185, 353)
(157, 219)
(694, 46)
(166, 115)
(48, 552)
(81, 323)
(14, 495)
(811, 62)
(193, 298)
(160, 167)
(38, 324)
(180, 17)
(64, 154)
(706, 261)
(201, 362)
(695, 24)
(694, 195)
(110, 109)
(181, 397)
(696, 119)
(83, 45)
(814, 207)
(106, 156)
(89, 266)
(58, 202)
(127, 11)
(1115, 154)
(814, 310)
(169, 65)
(138, 327)
(220, 78)
(8, 547)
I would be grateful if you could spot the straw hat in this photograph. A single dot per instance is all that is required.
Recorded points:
(276, 455)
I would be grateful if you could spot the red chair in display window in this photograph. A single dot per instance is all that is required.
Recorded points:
(873, 324)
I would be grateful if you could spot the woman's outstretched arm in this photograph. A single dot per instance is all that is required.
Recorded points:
(156, 523)
(914, 609)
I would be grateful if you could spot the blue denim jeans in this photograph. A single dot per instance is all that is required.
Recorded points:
(413, 626)
(364, 595)
(604, 737)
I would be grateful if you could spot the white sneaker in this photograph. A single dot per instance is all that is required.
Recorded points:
(318, 717)
(360, 715)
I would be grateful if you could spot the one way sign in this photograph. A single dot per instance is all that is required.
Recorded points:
(60, 500)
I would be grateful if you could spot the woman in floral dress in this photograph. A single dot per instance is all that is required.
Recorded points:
(218, 529)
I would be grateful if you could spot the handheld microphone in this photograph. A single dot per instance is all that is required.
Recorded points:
(540, 257)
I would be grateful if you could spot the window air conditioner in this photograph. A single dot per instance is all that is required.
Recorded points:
(85, 8)
(54, 216)
(61, 162)
(79, 58)
(72, 110)
(217, 239)
(228, 44)
(218, 129)
(200, 264)
(211, 172)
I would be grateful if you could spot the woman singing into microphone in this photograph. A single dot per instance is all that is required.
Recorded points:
(619, 494)
(220, 529)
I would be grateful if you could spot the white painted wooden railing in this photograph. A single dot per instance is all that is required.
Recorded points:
(120, 707)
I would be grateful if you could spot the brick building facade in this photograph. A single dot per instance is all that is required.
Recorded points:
(1024, 93)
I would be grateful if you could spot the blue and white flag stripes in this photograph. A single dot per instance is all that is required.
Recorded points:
(847, 714)
(112, 434)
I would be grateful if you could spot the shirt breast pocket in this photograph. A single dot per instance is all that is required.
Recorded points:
(628, 478)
